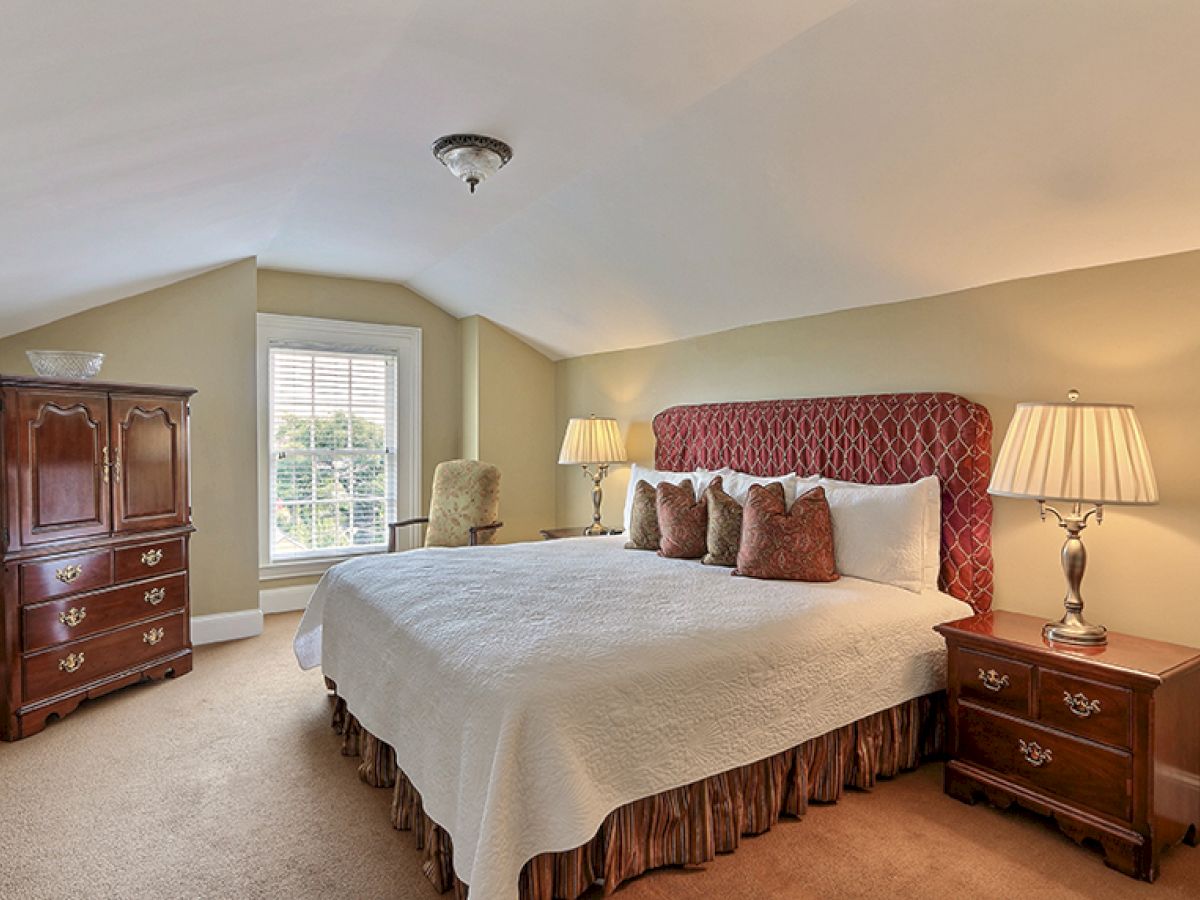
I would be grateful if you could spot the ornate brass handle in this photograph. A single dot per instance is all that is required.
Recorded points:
(153, 636)
(1080, 704)
(993, 680)
(116, 466)
(71, 663)
(155, 596)
(67, 574)
(73, 616)
(105, 465)
(1035, 754)
(152, 557)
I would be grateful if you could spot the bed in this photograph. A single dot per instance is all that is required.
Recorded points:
(553, 714)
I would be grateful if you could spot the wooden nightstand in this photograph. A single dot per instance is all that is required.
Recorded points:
(1106, 740)
(552, 534)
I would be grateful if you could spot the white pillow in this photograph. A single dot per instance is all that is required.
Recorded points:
(805, 483)
(890, 533)
(737, 484)
(700, 480)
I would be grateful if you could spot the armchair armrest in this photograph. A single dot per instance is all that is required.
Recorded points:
(394, 527)
(475, 529)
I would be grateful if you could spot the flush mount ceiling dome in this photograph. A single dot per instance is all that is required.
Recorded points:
(472, 157)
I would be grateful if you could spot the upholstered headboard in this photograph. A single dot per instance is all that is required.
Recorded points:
(872, 438)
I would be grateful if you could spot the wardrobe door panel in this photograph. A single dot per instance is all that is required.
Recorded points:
(150, 464)
(63, 485)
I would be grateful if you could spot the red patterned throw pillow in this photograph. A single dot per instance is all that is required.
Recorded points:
(725, 524)
(790, 545)
(682, 520)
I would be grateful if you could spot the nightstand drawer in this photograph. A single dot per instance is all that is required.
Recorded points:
(994, 681)
(1088, 708)
(1097, 777)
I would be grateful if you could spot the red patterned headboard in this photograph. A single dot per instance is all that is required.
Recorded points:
(873, 438)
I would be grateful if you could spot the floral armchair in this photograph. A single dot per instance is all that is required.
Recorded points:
(464, 508)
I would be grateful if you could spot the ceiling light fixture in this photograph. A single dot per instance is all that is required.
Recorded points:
(472, 157)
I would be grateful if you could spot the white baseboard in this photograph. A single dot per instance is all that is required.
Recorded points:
(285, 599)
(246, 623)
(230, 626)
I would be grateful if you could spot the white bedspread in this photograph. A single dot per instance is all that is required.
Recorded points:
(530, 689)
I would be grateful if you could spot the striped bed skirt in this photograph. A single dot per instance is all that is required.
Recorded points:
(687, 826)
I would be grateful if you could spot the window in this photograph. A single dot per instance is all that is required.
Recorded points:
(338, 437)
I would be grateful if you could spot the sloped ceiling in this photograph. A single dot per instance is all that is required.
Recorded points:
(681, 166)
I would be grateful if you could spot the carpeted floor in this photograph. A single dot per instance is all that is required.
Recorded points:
(228, 784)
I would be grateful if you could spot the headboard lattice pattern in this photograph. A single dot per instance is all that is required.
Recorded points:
(871, 438)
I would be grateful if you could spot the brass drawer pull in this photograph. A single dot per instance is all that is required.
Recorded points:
(1034, 754)
(152, 557)
(67, 574)
(993, 680)
(153, 636)
(72, 663)
(73, 616)
(1080, 704)
(155, 596)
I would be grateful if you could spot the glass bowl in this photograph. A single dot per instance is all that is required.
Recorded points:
(73, 364)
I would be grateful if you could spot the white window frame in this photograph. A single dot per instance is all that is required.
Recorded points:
(340, 335)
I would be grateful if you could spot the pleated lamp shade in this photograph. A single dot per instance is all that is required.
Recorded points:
(592, 440)
(1077, 452)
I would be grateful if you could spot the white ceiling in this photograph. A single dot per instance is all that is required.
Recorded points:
(681, 166)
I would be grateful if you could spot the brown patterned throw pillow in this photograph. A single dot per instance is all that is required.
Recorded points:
(792, 545)
(643, 519)
(682, 520)
(725, 524)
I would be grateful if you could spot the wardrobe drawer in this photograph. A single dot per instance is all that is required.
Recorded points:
(1088, 774)
(67, 574)
(994, 681)
(59, 621)
(79, 663)
(1088, 708)
(145, 560)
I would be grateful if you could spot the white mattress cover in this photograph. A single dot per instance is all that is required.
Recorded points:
(530, 689)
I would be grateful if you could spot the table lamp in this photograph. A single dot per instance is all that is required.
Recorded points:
(1081, 454)
(593, 442)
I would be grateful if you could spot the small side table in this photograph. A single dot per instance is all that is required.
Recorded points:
(1105, 740)
(553, 534)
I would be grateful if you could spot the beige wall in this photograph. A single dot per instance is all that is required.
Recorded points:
(509, 421)
(198, 333)
(470, 386)
(1128, 332)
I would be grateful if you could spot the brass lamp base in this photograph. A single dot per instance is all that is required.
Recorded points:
(596, 477)
(1073, 630)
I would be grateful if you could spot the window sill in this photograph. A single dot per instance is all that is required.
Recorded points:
(301, 567)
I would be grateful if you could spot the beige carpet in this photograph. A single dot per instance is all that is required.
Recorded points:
(228, 784)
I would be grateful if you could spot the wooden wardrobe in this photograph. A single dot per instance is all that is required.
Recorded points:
(96, 516)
